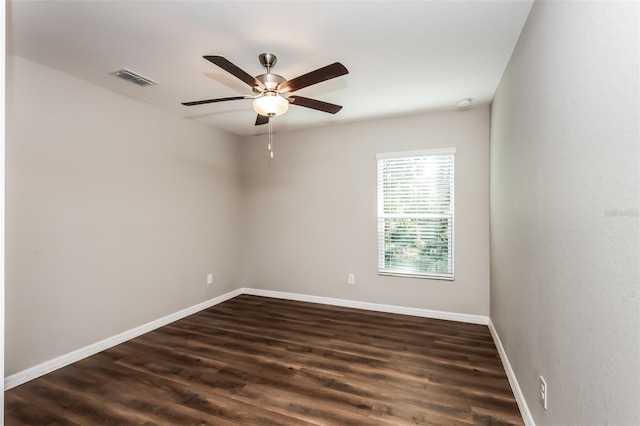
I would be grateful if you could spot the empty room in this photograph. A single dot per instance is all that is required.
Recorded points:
(321, 212)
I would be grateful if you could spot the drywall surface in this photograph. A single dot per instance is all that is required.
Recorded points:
(564, 212)
(115, 213)
(2, 215)
(310, 213)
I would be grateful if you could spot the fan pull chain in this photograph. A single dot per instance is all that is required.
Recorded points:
(270, 145)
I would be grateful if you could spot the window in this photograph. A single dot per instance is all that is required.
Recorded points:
(415, 213)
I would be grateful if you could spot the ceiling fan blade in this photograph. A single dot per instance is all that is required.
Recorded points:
(321, 74)
(234, 70)
(261, 119)
(211, 101)
(314, 104)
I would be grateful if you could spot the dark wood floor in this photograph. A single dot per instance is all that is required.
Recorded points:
(262, 361)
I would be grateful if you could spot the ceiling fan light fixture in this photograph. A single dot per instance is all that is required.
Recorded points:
(270, 104)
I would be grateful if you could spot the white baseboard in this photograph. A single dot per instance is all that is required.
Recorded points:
(64, 360)
(425, 313)
(513, 381)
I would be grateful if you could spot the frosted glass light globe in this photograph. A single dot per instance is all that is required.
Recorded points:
(270, 104)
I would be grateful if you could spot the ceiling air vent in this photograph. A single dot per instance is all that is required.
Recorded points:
(134, 78)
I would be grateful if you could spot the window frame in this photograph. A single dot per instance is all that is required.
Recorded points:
(380, 216)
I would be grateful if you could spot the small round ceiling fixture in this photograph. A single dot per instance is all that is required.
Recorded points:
(464, 103)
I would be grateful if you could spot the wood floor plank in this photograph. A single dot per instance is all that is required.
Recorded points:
(264, 361)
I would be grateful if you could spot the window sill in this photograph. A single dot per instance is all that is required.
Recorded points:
(419, 276)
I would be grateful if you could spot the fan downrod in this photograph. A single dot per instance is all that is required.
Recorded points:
(270, 80)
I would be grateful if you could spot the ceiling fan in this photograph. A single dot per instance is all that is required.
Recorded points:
(270, 88)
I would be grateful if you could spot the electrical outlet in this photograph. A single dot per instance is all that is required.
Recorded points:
(210, 279)
(544, 392)
(351, 279)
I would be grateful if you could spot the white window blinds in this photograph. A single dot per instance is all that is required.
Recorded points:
(415, 213)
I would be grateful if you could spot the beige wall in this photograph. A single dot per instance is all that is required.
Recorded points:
(310, 214)
(564, 212)
(115, 213)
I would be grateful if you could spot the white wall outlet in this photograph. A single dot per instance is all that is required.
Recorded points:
(351, 279)
(544, 392)
(210, 279)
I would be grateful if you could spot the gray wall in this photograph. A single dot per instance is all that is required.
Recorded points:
(564, 212)
(310, 214)
(115, 213)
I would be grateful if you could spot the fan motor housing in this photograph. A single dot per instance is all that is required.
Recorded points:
(271, 81)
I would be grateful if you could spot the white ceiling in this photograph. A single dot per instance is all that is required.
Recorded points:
(403, 57)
